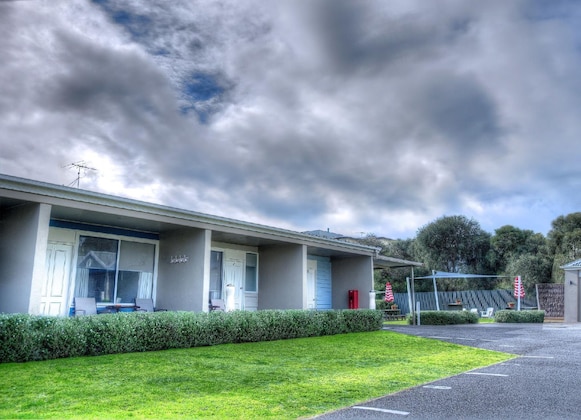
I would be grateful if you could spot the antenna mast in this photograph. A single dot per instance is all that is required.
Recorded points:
(80, 165)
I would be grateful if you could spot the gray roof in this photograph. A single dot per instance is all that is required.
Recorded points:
(107, 210)
(324, 234)
(572, 265)
(98, 208)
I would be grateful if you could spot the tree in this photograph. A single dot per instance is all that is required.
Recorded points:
(371, 240)
(509, 244)
(402, 249)
(564, 241)
(454, 244)
(533, 269)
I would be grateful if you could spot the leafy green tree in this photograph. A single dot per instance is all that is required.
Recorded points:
(564, 240)
(371, 240)
(510, 245)
(532, 268)
(454, 244)
(403, 249)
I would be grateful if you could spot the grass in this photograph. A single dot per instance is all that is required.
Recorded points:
(278, 379)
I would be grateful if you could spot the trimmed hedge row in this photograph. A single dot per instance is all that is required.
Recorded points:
(28, 337)
(507, 316)
(446, 318)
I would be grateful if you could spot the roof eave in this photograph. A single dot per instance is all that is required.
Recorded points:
(40, 188)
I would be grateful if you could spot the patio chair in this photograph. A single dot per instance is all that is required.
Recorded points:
(85, 306)
(217, 305)
(146, 305)
(487, 313)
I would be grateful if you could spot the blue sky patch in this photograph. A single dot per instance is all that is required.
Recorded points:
(201, 87)
(137, 25)
(198, 91)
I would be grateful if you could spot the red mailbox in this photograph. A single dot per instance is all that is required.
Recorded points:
(353, 299)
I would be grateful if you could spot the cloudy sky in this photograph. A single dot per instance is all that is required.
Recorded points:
(357, 116)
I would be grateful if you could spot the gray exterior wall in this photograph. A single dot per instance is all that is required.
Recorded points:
(572, 296)
(283, 277)
(355, 273)
(184, 286)
(23, 239)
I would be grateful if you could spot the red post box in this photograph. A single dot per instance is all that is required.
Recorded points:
(353, 299)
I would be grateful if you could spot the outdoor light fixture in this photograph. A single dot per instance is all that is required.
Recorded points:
(178, 259)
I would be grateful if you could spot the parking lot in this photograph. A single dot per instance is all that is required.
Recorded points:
(544, 382)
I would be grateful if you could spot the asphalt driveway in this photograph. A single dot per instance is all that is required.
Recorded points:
(544, 382)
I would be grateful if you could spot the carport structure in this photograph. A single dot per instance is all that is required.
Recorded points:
(382, 262)
(446, 275)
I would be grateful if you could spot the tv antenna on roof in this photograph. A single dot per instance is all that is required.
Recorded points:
(80, 166)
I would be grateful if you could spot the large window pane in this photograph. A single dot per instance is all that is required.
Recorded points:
(96, 268)
(251, 279)
(135, 278)
(114, 271)
(216, 275)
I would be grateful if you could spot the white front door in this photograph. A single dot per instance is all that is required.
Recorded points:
(55, 288)
(234, 275)
(311, 284)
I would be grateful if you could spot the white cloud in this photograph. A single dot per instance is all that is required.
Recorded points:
(359, 117)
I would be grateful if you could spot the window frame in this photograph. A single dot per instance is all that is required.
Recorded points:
(118, 238)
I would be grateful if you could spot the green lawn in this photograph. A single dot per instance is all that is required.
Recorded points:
(279, 379)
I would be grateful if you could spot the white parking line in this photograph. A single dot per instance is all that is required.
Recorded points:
(437, 387)
(383, 410)
(539, 357)
(485, 374)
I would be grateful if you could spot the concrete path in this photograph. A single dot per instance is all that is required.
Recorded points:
(544, 382)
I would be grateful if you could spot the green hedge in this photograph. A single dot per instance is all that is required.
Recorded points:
(446, 318)
(507, 316)
(29, 337)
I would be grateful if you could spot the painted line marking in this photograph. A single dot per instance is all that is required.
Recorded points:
(437, 387)
(505, 345)
(466, 339)
(439, 338)
(382, 410)
(485, 374)
(539, 357)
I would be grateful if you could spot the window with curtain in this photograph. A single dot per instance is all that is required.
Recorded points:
(115, 271)
(251, 278)
(216, 275)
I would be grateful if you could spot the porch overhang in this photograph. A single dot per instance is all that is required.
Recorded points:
(382, 262)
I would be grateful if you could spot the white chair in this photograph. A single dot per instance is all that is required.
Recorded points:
(217, 305)
(487, 313)
(146, 305)
(85, 306)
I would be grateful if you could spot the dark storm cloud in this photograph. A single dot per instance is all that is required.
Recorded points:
(367, 39)
(460, 110)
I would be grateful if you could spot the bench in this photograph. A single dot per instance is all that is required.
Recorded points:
(393, 315)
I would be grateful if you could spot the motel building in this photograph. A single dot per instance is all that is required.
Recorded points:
(58, 243)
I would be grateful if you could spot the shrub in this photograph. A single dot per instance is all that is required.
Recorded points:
(446, 318)
(29, 337)
(507, 316)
